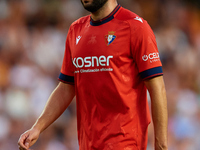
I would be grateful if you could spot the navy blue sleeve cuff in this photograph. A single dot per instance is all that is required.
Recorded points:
(153, 72)
(66, 79)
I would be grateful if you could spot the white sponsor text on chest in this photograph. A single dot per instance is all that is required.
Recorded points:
(91, 61)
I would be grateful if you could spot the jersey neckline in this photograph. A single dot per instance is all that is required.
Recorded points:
(106, 19)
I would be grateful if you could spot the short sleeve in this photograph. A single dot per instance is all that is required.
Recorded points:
(67, 69)
(145, 51)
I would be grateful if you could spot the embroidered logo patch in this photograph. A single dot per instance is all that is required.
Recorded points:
(110, 37)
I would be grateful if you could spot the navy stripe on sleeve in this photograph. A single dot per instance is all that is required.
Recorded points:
(157, 71)
(66, 79)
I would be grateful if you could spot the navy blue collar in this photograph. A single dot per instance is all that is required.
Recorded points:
(106, 19)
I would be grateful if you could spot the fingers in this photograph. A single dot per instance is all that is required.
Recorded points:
(24, 141)
(28, 138)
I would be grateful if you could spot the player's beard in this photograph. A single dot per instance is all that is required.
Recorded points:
(94, 6)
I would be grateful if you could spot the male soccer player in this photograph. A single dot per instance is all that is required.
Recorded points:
(110, 61)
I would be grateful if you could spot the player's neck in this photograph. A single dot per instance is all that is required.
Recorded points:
(104, 11)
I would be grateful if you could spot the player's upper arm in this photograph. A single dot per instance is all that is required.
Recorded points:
(155, 85)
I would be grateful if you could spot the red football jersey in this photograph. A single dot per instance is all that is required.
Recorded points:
(107, 61)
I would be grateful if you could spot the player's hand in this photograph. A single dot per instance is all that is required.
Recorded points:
(28, 138)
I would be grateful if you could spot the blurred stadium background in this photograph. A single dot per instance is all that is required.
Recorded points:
(32, 42)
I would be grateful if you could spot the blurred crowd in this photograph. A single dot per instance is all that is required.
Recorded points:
(32, 43)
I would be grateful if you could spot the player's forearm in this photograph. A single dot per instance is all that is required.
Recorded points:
(157, 92)
(160, 121)
(58, 101)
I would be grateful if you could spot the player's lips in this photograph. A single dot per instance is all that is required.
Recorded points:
(86, 1)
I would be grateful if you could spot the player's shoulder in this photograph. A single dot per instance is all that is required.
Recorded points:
(132, 18)
(80, 22)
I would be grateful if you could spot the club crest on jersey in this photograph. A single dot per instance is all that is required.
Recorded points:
(110, 37)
